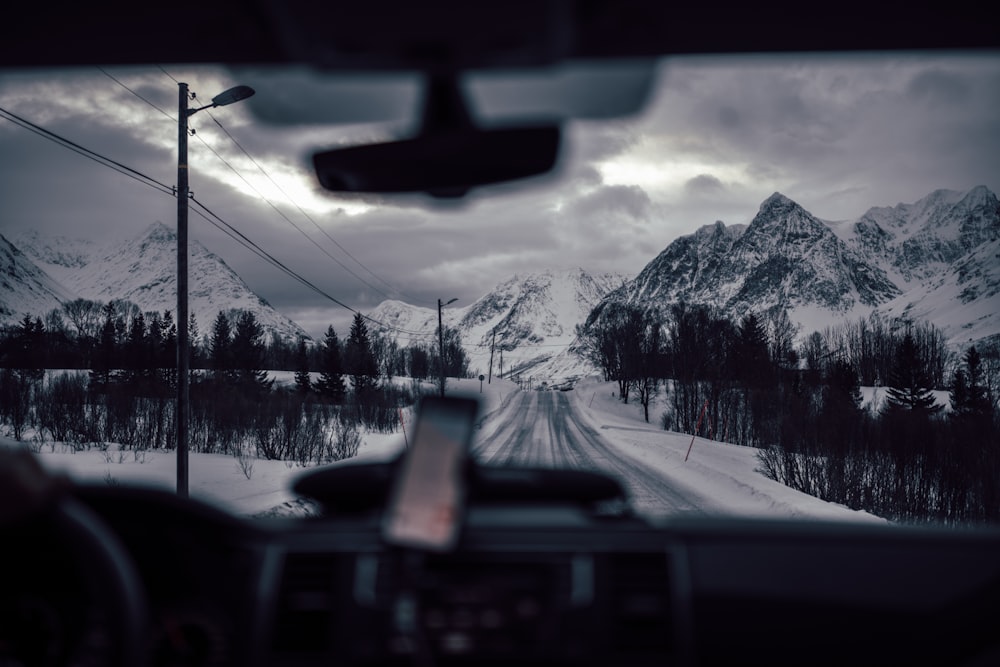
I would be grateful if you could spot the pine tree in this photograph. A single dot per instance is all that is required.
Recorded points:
(331, 379)
(195, 347)
(751, 359)
(29, 348)
(220, 347)
(302, 382)
(969, 395)
(106, 355)
(359, 361)
(843, 386)
(247, 351)
(910, 386)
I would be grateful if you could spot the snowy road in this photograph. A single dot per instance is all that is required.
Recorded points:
(541, 428)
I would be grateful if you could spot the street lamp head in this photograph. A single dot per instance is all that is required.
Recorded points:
(234, 94)
(452, 301)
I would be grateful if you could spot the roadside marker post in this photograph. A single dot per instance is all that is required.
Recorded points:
(696, 429)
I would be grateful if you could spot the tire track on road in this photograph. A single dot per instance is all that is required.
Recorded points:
(543, 429)
(649, 493)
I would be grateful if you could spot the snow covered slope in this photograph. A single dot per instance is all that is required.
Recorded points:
(25, 288)
(143, 269)
(534, 317)
(935, 259)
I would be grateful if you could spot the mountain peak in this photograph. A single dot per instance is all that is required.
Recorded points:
(777, 200)
(979, 196)
(159, 232)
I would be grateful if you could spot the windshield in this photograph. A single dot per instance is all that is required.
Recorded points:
(771, 290)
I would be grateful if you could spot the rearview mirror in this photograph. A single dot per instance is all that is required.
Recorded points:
(442, 164)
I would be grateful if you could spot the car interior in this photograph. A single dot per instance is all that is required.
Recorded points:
(434, 558)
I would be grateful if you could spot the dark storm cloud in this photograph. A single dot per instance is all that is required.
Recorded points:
(836, 134)
(870, 129)
(704, 184)
(585, 143)
(629, 201)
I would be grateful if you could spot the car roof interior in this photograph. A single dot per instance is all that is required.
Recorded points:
(453, 34)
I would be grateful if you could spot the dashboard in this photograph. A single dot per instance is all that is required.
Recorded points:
(528, 583)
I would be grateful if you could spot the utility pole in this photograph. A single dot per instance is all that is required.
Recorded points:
(183, 345)
(492, 347)
(441, 341)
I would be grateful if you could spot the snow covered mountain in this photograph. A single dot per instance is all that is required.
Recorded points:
(936, 259)
(944, 253)
(25, 288)
(533, 316)
(143, 270)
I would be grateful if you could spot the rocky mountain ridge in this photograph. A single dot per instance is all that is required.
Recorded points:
(529, 319)
(143, 269)
(911, 260)
(937, 259)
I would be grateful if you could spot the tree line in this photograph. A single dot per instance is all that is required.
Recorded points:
(116, 336)
(125, 384)
(903, 457)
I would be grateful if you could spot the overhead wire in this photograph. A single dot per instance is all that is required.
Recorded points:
(261, 195)
(302, 280)
(169, 190)
(260, 167)
(265, 199)
(108, 74)
(308, 217)
(225, 227)
(287, 219)
(86, 152)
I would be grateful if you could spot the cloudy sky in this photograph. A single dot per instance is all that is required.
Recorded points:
(715, 138)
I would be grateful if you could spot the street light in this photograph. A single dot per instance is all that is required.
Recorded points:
(441, 341)
(183, 346)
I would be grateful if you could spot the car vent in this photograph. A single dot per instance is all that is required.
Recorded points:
(306, 604)
(639, 605)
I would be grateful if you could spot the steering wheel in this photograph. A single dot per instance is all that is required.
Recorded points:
(54, 532)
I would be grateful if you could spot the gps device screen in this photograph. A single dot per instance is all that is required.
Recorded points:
(426, 505)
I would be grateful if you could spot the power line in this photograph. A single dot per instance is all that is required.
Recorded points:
(137, 94)
(169, 75)
(266, 200)
(313, 221)
(287, 219)
(166, 189)
(298, 277)
(86, 152)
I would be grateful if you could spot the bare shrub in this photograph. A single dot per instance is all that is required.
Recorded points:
(344, 443)
(245, 462)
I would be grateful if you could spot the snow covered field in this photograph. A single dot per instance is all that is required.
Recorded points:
(724, 475)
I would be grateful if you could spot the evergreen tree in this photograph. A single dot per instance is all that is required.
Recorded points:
(331, 379)
(420, 364)
(359, 361)
(29, 348)
(969, 395)
(751, 359)
(909, 383)
(220, 347)
(105, 358)
(134, 353)
(302, 382)
(195, 344)
(154, 339)
(456, 363)
(843, 386)
(247, 351)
